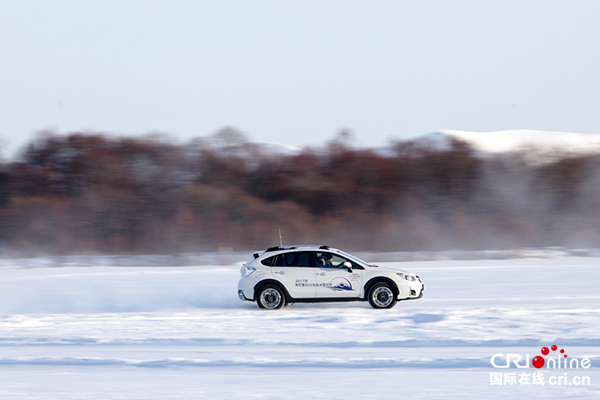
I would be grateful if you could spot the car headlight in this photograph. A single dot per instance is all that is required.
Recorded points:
(246, 271)
(408, 277)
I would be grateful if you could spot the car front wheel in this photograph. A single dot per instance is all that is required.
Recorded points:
(271, 297)
(382, 295)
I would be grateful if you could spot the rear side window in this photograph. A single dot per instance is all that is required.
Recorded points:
(298, 259)
(291, 259)
(268, 261)
(274, 261)
(278, 261)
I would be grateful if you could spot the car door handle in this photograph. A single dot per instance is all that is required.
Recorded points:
(320, 273)
(279, 272)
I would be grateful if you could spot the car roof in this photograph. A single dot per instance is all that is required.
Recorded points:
(295, 247)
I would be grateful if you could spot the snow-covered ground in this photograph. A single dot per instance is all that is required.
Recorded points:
(182, 333)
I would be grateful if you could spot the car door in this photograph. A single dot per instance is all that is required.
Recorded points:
(334, 280)
(296, 271)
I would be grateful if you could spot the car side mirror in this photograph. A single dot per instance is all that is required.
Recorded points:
(348, 266)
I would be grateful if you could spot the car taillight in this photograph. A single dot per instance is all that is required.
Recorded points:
(247, 271)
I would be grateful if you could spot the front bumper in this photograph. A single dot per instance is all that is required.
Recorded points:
(413, 294)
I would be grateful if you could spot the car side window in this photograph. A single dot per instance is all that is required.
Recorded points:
(278, 261)
(298, 259)
(330, 260)
(269, 261)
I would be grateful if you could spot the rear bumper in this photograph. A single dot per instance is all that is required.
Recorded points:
(242, 296)
(246, 289)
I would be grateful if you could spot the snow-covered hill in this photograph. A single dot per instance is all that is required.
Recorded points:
(485, 143)
(518, 140)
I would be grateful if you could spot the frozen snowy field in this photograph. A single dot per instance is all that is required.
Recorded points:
(182, 333)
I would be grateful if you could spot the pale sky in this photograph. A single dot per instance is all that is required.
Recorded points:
(297, 72)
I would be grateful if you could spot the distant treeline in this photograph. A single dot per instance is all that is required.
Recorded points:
(92, 193)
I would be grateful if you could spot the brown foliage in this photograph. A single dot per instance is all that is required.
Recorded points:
(89, 193)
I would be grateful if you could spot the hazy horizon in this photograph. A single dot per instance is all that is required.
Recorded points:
(297, 72)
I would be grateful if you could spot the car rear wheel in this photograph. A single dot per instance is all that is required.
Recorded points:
(382, 295)
(271, 297)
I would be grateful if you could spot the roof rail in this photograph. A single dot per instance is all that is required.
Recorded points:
(274, 248)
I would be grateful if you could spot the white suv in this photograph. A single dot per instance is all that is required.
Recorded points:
(285, 275)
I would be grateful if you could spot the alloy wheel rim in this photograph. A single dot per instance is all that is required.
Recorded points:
(270, 298)
(383, 296)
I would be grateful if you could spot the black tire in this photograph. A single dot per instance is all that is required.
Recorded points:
(382, 295)
(271, 297)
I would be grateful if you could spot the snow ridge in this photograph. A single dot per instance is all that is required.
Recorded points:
(519, 140)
